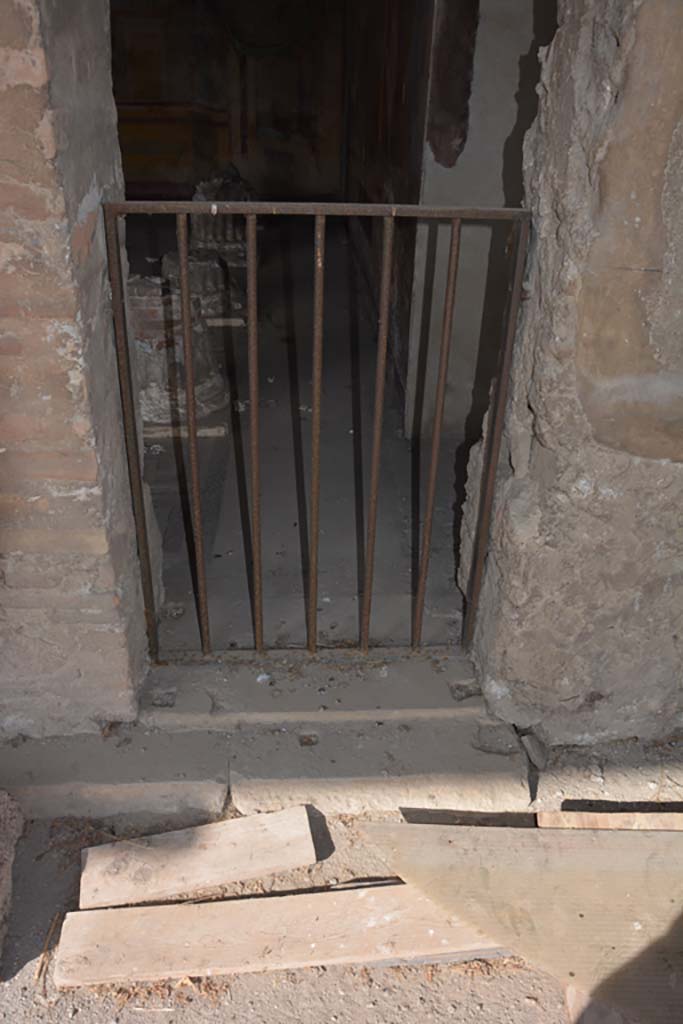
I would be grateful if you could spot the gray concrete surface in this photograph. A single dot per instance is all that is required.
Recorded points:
(468, 762)
(446, 753)
(46, 875)
(130, 771)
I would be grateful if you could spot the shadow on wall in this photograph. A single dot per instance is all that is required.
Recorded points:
(501, 254)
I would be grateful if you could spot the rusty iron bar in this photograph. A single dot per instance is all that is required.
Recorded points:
(474, 213)
(314, 543)
(130, 428)
(380, 378)
(192, 444)
(446, 334)
(493, 441)
(254, 446)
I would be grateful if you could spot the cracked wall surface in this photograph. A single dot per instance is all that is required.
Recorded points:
(72, 645)
(580, 627)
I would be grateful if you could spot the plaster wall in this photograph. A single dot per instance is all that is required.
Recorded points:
(466, 167)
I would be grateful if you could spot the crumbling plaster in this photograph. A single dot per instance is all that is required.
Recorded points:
(579, 629)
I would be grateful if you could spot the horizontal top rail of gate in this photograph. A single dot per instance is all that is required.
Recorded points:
(519, 225)
(483, 213)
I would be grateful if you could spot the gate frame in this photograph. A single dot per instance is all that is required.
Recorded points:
(520, 218)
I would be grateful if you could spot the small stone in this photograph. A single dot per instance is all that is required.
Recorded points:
(308, 740)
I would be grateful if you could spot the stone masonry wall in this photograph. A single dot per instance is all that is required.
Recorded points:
(72, 645)
(580, 629)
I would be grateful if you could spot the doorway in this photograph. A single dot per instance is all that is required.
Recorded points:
(282, 103)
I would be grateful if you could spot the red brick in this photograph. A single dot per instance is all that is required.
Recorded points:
(18, 506)
(49, 511)
(22, 109)
(21, 428)
(16, 26)
(89, 542)
(72, 607)
(29, 202)
(35, 294)
(61, 466)
(45, 397)
(33, 338)
(34, 376)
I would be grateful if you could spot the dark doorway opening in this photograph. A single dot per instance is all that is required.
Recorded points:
(297, 101)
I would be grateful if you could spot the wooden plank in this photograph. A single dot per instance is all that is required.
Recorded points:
(385, 924)
(601, 910)
(195, 860)
(664, 821)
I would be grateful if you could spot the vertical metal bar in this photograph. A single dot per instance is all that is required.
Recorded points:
(254, 446)
(193, 448)
(318, 312)
(380, 378)
(493, 441)
(130, 428)
(244, 104)
(447, 331)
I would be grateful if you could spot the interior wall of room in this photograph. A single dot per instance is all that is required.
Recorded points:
(202, 85)
(471, 153)
(73, 640)
(385, 124)
(579, 633)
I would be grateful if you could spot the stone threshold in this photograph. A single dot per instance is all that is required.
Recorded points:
(241, 688)
(346, 734)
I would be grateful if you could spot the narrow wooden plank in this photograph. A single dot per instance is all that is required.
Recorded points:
(601, 910)
(639, 821)
(387, 924)
(195, 860)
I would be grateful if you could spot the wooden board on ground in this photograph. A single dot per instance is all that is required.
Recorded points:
(661, 821)
(384, 924)
(195, 860)
(602, 910)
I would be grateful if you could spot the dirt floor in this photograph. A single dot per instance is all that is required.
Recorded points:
(503, 991)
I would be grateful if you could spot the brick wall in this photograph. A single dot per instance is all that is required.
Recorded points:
(72, 646)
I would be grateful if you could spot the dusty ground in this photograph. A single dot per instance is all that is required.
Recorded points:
(46, 884)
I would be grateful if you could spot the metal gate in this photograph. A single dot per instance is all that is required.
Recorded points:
(319, 212)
